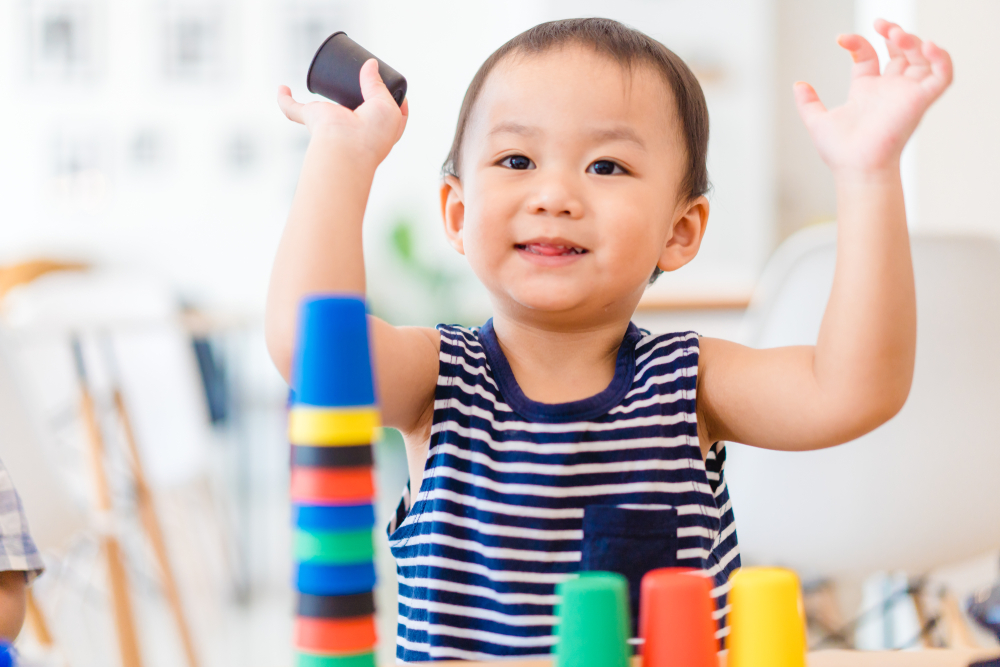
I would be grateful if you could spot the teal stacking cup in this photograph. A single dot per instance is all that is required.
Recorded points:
(594, 621)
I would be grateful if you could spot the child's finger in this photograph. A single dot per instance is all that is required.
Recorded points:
(808, 102)
(941, 68)
(910, 45)
(883, 27)
(289, 107)
(863, 54)
(897, 59)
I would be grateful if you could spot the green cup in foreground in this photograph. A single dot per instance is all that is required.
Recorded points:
(594, 622)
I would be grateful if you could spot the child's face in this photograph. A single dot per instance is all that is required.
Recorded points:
(568, 191)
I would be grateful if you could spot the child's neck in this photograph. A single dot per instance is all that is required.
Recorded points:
(553, 366)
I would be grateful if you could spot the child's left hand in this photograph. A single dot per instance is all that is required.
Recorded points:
(867, 133)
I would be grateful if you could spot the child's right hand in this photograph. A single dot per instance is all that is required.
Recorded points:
(373, 128)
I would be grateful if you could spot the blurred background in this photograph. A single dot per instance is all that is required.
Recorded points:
(145, 176)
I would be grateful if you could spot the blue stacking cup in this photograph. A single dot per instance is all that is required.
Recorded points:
(318, 579)
(332, 364)
(329, 517)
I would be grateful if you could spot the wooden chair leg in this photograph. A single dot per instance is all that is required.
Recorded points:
(959, 633)
(128, 642)
(151, 523)
(36, 620)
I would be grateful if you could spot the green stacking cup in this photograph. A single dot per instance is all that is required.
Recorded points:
(594, 622)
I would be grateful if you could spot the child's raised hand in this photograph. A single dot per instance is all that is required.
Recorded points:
(374, 127)
(868, 132)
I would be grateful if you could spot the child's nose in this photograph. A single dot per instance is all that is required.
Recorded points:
(555, 196)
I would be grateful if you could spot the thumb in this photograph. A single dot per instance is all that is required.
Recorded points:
(808, 102)
(371, 82)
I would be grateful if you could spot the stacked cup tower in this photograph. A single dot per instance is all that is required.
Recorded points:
(333, 422)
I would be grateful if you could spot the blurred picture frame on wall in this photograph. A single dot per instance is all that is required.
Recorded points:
(64, 40)
(197, 41)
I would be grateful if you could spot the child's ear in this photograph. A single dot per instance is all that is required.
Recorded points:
(453, 212)
(685, 236)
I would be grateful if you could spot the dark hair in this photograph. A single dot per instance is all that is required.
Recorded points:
(628, 47)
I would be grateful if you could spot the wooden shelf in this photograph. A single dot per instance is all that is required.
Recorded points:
(657, 302)
(926, 658)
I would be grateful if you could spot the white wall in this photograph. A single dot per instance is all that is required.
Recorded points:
(186, 171)
(806, 46)
(959, 144)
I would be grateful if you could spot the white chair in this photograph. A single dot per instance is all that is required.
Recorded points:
(921, 491)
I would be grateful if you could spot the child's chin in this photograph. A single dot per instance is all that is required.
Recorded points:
(550, 300)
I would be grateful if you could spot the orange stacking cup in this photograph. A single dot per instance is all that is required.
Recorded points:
(675, 619)
(335, 635)
(332, 486)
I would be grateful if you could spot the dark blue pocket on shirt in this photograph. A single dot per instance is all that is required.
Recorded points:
(630, 542)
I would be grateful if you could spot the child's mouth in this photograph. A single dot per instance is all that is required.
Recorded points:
(550, 249)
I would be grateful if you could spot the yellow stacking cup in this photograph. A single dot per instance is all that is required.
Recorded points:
(767, 625)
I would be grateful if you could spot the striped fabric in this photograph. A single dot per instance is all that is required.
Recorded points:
(499, 519)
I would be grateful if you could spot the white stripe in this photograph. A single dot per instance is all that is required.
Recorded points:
(475, 568)
(464, 345)
(726, 506)
(448, 652)
(476, 612)
(719, 489)
(500, 553)
(726, 532)
(719, 613)
(696, 531)
(471, 370)
(499, 508)
(685, 554)
(533, 512)
(498, 529)
(559, 470)
(465, 334)
(654, 338)
(663, 342)
(472, 390)
(562, 447)
(569, 492)
(666, 359)
(724, 561)
(724, 632)
(719, 591)
(478, 591)
(664, 379)
(566, 427)
(481, 635)
(656, 399)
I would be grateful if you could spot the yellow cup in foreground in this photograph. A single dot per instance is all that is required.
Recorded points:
(767, 624)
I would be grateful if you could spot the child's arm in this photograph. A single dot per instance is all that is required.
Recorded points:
(858, 374)
(320, 249)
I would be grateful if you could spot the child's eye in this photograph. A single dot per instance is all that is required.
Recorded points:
(605, 168)
(517, 162)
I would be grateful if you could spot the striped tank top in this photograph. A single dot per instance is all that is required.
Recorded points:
(519, 495)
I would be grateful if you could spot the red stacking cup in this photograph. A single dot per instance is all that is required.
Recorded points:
(675, 619)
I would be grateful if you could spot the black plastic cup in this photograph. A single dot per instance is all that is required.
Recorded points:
(336, 68)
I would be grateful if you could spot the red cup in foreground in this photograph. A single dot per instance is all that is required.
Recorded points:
(675, 619)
